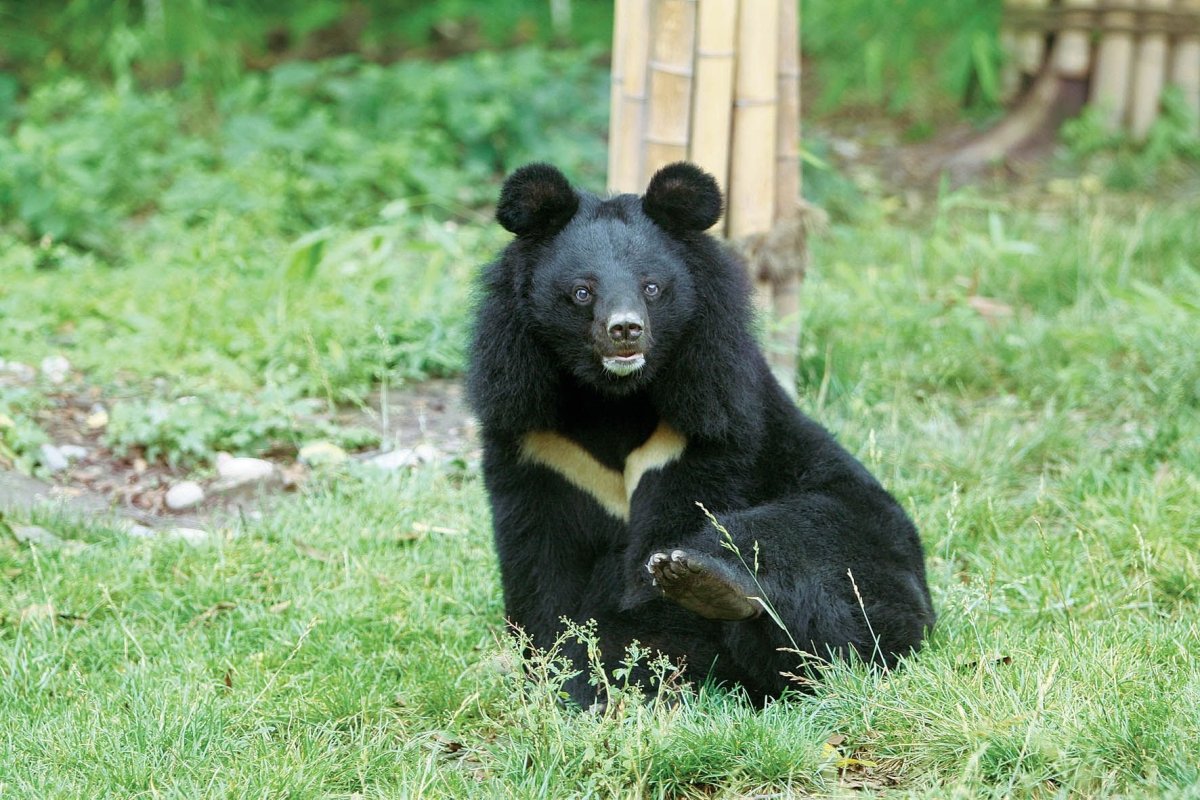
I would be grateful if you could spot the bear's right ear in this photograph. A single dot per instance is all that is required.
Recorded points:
(536, 201)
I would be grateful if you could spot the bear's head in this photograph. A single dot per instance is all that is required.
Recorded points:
(622, 295)
(611, 285)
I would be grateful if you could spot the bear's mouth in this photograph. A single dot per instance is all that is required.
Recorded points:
(623, 365)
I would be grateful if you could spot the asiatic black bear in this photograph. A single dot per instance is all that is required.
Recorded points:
(618, 385)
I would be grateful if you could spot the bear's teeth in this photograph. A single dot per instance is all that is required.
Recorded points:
(624, 365)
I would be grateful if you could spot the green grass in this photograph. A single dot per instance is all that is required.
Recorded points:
(1050, 458)
(1019, 369)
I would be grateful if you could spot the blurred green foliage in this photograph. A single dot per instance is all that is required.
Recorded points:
(20, 436)
(1170, 151)
(209, 43)
(903, 55)
(302, 145)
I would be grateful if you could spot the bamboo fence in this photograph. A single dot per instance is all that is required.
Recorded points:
(716, 82)
(1126, 51)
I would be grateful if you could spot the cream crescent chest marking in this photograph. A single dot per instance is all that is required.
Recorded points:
(613, 490)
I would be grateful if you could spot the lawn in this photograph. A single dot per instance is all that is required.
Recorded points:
(1017, 364)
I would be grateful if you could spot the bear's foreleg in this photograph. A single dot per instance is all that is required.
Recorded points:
(831, 578)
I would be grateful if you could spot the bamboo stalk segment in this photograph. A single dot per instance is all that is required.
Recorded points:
(625, 164)
(669, 119)
(752, 157)
(616, 106)
(1149, 75)
(712, 98)
(787, 157)
(1010, 73)
(1185, 65)
(786, 263)
(1073, 49)
(752, 160)
(1031, 48)
(1114, 66)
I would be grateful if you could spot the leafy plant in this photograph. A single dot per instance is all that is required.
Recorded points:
(189, 431)
(1171, 143)
(304, 145)
(20, 436)
(903, 55)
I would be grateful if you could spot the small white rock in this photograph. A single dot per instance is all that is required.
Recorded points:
(22, 372)
(322, 453)
(52, 458)
(193, 536)
(406, 457)
(97, 418)
(55, 368)
(73, 452)
(243, 469)
(184, 495)
(137, 531)
(35, 534)
(426, 453)
(393, 459)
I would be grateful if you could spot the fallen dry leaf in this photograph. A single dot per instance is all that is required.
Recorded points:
(421, 527)
(37, 611)
(991, 310)
(315, 554)
(209, 613)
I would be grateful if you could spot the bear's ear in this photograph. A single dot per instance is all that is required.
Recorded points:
(536, 200)
(683, 197)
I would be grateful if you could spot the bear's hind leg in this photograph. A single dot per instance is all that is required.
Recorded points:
(703, 585)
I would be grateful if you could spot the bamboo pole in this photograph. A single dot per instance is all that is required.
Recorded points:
(1149, 75)
(1010, 73)
(752, 155)
(669, 120)
(712, 103)
(1073, 48)
(1114, 65)
(616, 108)
(625, 165)
(1185, 65)
(789, 233)
(787, 157)
(1032, 47)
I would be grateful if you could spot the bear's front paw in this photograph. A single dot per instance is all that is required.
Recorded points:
(703, 585)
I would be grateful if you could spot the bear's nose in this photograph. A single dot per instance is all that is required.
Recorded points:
(625, 327)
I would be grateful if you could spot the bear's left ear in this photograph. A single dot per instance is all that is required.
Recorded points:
(683, 197)
(536, 200)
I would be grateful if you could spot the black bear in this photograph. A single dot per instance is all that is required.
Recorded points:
(618, 386)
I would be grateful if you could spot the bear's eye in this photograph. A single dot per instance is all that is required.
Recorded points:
(582, 295)
(651, 289)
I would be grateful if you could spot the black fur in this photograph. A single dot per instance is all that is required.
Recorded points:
(775, 479)
(536, 200)
(683, 197)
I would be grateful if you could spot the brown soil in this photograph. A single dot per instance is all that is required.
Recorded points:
(432, 413)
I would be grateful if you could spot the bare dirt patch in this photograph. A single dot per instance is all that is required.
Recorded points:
(430, 419)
